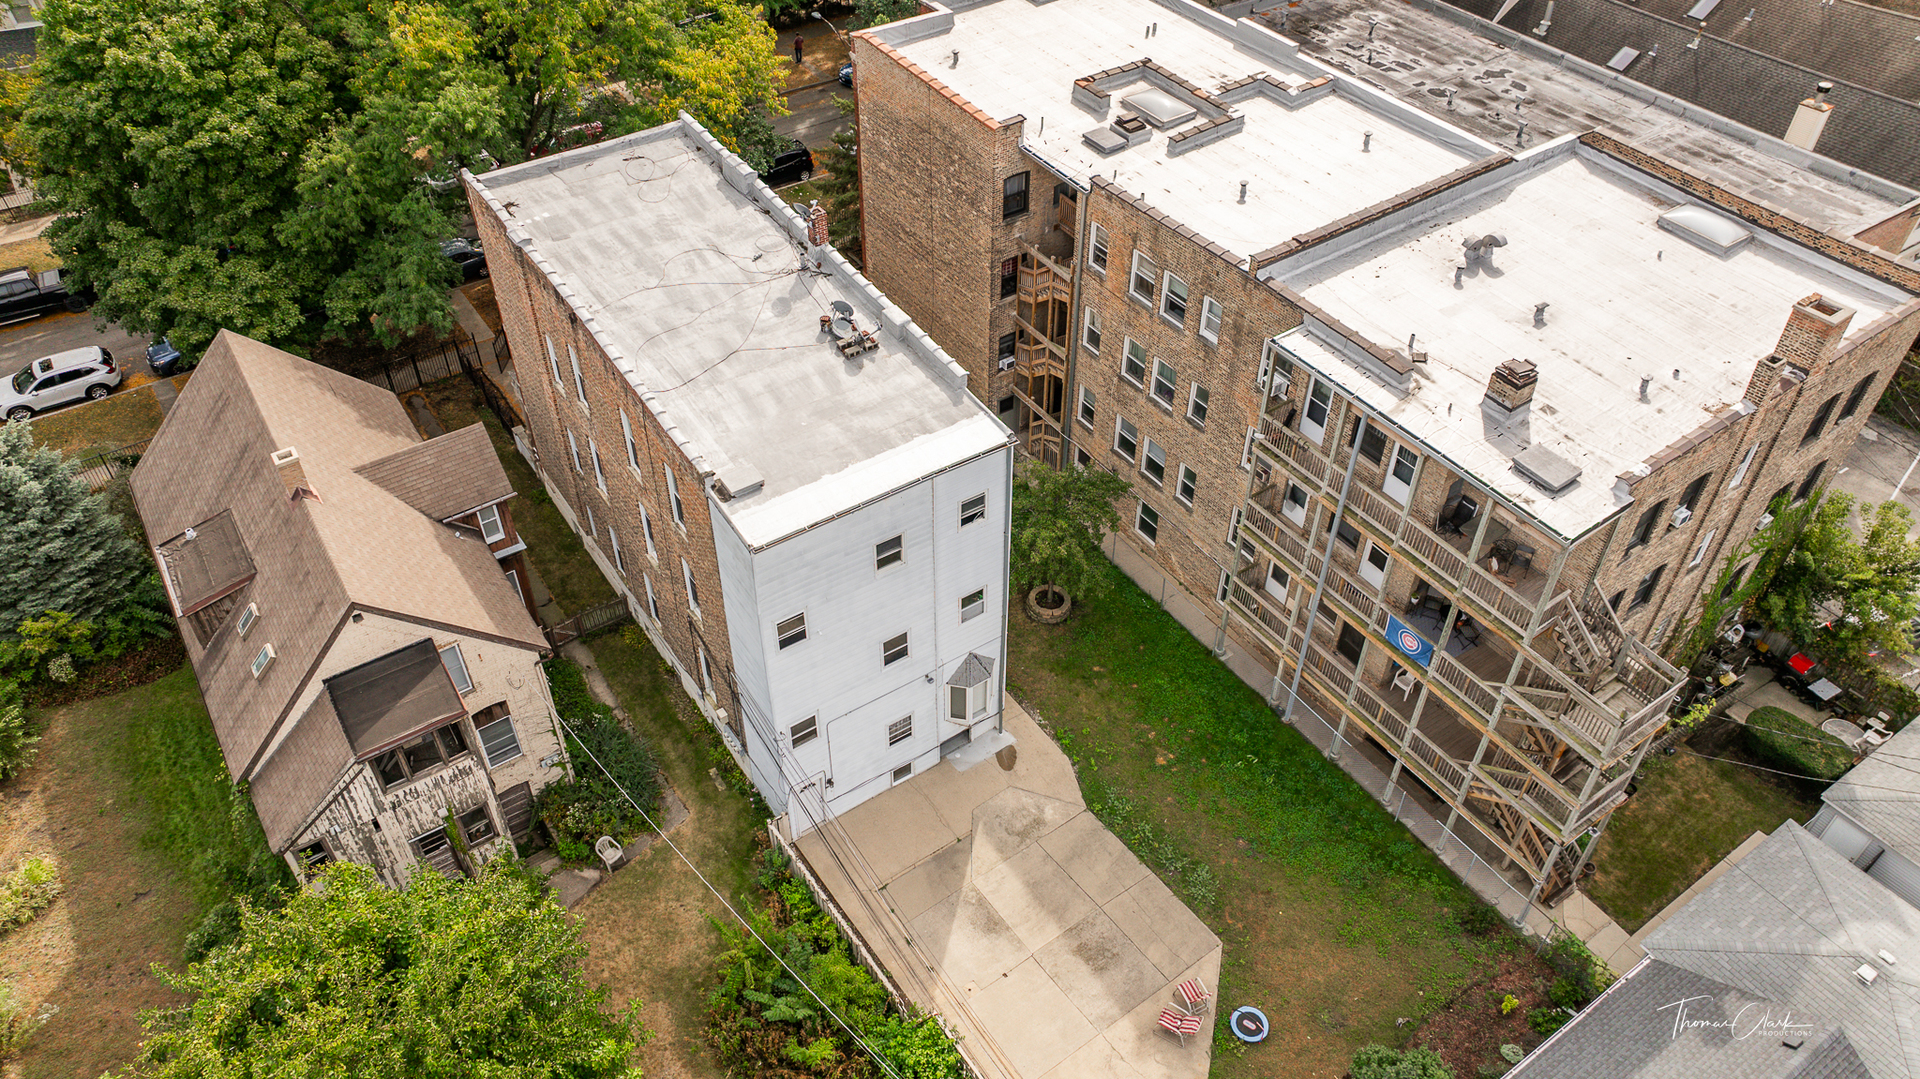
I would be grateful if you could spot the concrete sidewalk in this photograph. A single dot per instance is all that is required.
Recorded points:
(996, 900)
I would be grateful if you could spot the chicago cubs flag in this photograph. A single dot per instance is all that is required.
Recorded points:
(1402, 636)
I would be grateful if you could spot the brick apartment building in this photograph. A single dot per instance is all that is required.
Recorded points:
(783, 476)
(1377, 373)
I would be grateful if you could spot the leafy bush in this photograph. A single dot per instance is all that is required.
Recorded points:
(1508, 1003)
(1785, 741)
(1480, 919)
(25, 892)
(220, 926)
(1568, 993)
(1545, 1021)
(55, 644)
(1583, 975)
(17, 740)
(15, 1024)
(1381, 1062)
(607, 760)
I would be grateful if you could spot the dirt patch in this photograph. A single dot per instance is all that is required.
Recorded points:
(1470, 1030)
(109, 676)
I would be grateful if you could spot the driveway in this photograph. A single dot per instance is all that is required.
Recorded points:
(993, 898)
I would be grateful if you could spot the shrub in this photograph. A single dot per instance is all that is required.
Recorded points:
(1567, 993)
(1545, 1021)
(17, 740)
(15, 1024)
(1583, 975)
(1381, 1062)
(27, 891)
(220, 926)
(1480, 919)
(1785, 741)
(610, 764)
(1508, 1003)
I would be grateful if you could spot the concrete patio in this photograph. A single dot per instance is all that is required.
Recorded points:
(994, 899)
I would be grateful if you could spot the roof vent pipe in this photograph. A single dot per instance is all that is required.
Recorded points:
(1540, 314)
(1541, 30)
(1645, 381)
(1243, 192)
(1366, 142)
(956, 58)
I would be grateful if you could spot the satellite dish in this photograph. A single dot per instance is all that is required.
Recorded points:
(841, 309)
(842, 327)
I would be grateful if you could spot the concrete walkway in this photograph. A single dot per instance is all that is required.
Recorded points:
(998, 902)
(25, 230)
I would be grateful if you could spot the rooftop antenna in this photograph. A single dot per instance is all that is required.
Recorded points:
(1369, 56)
(1372, 21)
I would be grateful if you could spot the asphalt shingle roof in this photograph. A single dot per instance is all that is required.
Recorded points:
(1882, 793)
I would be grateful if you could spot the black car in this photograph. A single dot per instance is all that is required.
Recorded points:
(165, 359)
(846, 74)
(794, 165)
(25, 294)
(468, 256)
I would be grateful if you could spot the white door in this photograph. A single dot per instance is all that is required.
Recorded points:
(1398, 483)
(1373, 567)
(1313, 422)
(1277, 581)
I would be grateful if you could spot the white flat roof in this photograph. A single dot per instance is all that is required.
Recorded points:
(708, 301)
(1305, 166)
(1626, 298)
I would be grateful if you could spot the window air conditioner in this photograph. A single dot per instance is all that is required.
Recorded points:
(1765, 520)
(1007, 362)
(1681, 515)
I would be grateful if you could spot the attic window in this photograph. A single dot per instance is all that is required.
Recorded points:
(1159, 107)
(1704, 228)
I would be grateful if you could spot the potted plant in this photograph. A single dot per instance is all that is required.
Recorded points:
(1060, 517)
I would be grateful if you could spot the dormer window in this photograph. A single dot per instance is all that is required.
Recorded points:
(491, 527)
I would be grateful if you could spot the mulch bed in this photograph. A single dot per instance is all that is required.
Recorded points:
(110, 676)
(1470, 1030)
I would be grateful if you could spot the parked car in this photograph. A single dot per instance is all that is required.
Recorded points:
(793, 165)
(58, 379)
(25, 294)
(467, 255)
(846, 74)
(166, 360)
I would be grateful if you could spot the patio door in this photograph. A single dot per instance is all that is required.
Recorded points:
(1278, 581)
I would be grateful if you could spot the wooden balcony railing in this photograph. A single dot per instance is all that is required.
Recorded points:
(1287, 446)
(1449, 772)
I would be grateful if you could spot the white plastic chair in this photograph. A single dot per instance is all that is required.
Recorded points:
(609, 852)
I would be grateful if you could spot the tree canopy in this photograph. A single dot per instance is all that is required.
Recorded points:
(61, 549)
(442, 978)
(1848, 595)
(287, 169)
(1060, 517)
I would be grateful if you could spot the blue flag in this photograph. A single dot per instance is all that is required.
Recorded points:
(1415, 647)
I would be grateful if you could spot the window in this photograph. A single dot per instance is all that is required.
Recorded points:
(903, 773)
(1173, 300)
(1616, 600)
(1126, 439)
(1276, 370)
(1086, 406)
(1154, 462)
(1643, 595)
(312, 857)
(1808, 485)
(1398, 482)
(1740, 472)
(1649, 524)
(613, 541)
(1164, 382)
(498, 742)
(1373, 565)
(888, 552)
(1009, 277)
(1081, 458)
(791, 631)
(248, 617)
(1144, 275)
(673, 497)
(599, 474)
(263, 659)
(1246, 451)
(1090, 335)
(1779, 498)
(1003, 353)
(1294, 506)
(1226, 586)
(804, 731)
(1733, 582)
(893, 649)
(553, 358)
(1858, 395)
(899, 731)
(593, 529)
(693, 590)
(579, 383)
(414, 758)
(1189, 482)
(513, 578)
(706, 674)
(1211, 315)
(491, 528)
(653, 607)
(1313, 423)
(1013, 195)
(573, 450)
(646, 532)
(456, 665)
(1097, 255)
(1133, 365)
(626, 432)
(972, 604)
(1147, 523)
(1700, 552)
(1819, 424)
(1690, 498)
(1373, 444)
(1197, 405)
(476, 826)
(973, 509)
(1346, 533)
(1350, 643)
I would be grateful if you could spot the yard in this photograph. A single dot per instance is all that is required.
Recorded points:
(130, 415)
(1337, 921)
(1687, 813)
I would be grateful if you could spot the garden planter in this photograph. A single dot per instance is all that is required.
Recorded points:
(1049, 606)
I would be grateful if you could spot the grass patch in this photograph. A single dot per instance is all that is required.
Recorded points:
(1336, 920)
(35, 254)
(1785, 741)
(1687, 813)
(120, 419)
(555, 551)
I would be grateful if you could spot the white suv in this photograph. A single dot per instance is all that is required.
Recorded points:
(58, 379)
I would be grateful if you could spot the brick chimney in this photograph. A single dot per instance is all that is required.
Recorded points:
(293, 475)
(1510, 390)
(816, 224)
(1814, 329)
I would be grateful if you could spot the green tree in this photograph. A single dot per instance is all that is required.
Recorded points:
(1060, 517)
(441, 978)
(874, 12)
(1846, 595)
(61, 549)
(840, 186)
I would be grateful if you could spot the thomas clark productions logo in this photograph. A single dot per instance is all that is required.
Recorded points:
(1752, 1019)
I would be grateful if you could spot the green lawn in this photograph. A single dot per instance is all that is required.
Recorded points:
(1336, 920)
(1687, 814)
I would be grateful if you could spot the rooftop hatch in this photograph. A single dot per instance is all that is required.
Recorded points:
(1701, 226)
(1160, 107)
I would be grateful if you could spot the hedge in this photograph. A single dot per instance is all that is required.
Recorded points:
(1785, 741)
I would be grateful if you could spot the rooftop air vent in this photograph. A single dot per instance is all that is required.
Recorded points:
(1866, 974)
(1704, 228)
(1546, 469)
(1622, 59)
(1159, 107)
(1106, 140)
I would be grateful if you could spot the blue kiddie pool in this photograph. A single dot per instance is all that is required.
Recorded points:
(1249, 1024)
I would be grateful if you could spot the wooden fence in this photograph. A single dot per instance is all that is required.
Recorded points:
(591, 620)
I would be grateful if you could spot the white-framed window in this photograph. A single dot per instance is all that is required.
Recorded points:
(1090, 331)
(626, 432)
(498, 741)
(1147, 523)
(573, 450)
(693, 590)
(1246, 451)
(893, 650)
(973, 509)
(456, 665)
(1097, 249)
(599, 474)
(973, 604)
(1189, 483)
(613, 541)
(791, 631)
(1276, 370)
(1226, 581)
(248, 616)
(965, 703)
(1086, 406)
(899, 731)
(1313, 422)
(1173, 299)
(653, 606)
(1398, 482)
(513, 578)
(673, 498)
(646, 532)
(579, 383)
(804, 731)
(1373, 565)
(1133, 362)
(903, 773)
(1126, 438)
(1154, 462)
(262, 659)
(1197, 397)
(706, 673)
(1165, 382)
(1294, 505)
(889, 552)
(492, 528)
(1700, 552)
(553, 359)
(1740, 472)
(1140, 284)
(593, 526)
(1212, 314)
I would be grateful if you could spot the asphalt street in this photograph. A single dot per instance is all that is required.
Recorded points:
(24, 342)
(814, 118)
